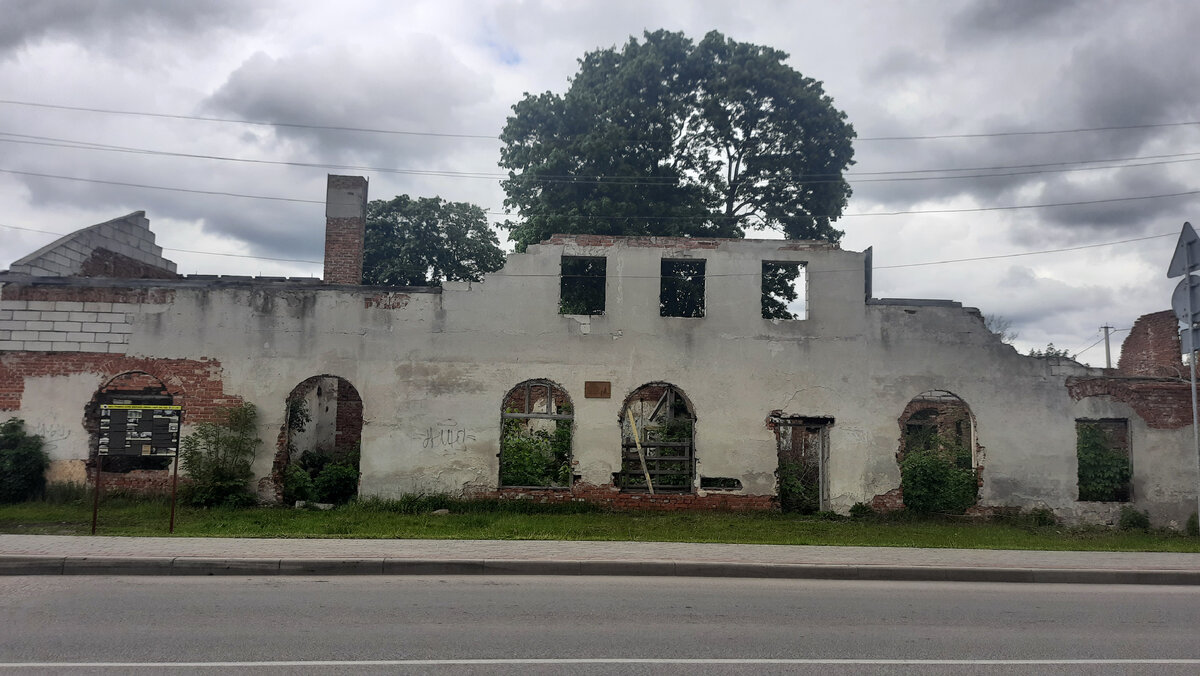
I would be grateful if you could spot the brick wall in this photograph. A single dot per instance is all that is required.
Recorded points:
(1152, 347)
(196, 384)
(105, 263)
(644, 242)
(138, 481)
(1164, 404)
(349, 419)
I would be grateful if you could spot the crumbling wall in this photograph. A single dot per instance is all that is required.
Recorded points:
(122, 247)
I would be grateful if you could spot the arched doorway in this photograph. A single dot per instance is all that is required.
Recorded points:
(939, 454)
(535, 436)
(658, 441)
(318, 455)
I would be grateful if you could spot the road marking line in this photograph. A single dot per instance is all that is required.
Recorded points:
(592, 660)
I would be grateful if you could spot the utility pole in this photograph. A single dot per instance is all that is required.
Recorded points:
(1107, 352)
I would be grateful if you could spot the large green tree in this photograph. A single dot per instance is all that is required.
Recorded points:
(425, 241)
(671, 137)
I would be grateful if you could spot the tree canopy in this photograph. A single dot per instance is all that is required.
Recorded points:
(425, 241)
(671, 137)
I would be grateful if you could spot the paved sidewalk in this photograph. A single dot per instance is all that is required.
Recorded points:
(57, 554)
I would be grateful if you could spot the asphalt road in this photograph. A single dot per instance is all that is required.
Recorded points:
(590, 625)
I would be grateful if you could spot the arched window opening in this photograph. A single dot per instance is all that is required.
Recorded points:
(658, 441)
(133, 423)
(318, 458)
(939, 455)
(535, 436)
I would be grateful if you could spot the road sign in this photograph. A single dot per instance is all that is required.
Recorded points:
(1186, 309)
(1187, 253)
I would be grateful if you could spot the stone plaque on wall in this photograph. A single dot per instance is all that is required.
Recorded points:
(597, 389)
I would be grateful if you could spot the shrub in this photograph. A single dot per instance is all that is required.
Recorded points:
(535, 458)
(1104, 472)
(1132, 519)
(1193, 525)
(1042, 516)
(66, 493)
(861, 510)
(938, 478)
(297, 485)
(218, 457)
(23, 463)
(799, 490)
(337, 483)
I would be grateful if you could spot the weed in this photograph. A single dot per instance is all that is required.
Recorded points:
(1132, 519)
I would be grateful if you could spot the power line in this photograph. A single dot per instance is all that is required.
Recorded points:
(1025, 253)
(637, 218)
(853, 177)
(160, 187)
(297, 125)
(293, 125)
(1042, 132)
(167, 248)
(739, 274)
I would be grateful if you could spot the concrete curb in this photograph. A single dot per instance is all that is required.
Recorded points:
(184, 565)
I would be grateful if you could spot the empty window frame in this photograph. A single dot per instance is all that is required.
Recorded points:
(658, 441)
(1105, 473)
(535, 436)
(784, 290)
(681, 293)
(581, 287)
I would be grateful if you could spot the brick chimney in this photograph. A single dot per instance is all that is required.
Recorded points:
(345, 224)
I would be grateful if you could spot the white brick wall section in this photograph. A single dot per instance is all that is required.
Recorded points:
(68, 305)
(5, 335)
(97, 307)
(82, 317)
(54, 316)
(12, 325)
(97, 327)
(5, 315)
(41, 305)
(39, 326)
(26, 315)
(111, 317)
(14, 305)
(64, 347)
(68, 326)
(12, 345)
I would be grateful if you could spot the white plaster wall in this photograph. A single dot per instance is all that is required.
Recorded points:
(433, 370)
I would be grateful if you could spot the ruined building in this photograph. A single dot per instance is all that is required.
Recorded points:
(634, 372)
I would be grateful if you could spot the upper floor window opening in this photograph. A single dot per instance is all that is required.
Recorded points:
(581, 288)
(784, 290)
(681, 291)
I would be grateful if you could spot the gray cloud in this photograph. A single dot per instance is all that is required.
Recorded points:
(109, 22)
(985, 18)
(417, 86)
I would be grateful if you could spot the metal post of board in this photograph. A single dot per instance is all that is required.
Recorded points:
(96, 492)
(174, 483)
(1187, 253)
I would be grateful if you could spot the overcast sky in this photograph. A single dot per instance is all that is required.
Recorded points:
(978, 74)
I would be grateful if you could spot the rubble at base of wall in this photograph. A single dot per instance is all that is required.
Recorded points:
(611, 497)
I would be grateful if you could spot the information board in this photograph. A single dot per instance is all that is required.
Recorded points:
(139, 429)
